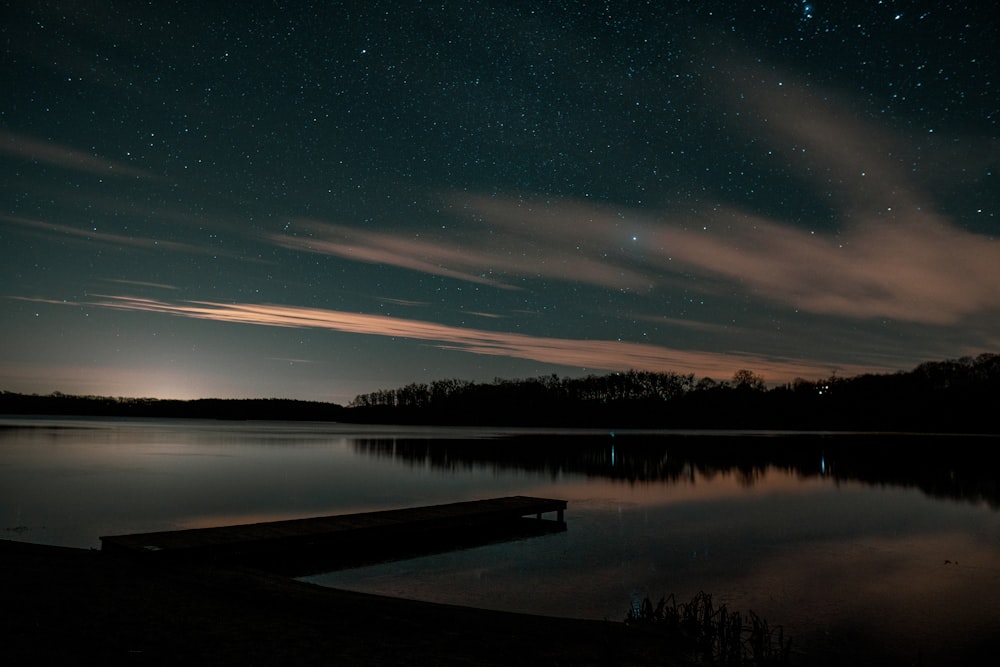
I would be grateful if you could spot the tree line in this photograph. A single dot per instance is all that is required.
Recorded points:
(959, 396)
(57, 403)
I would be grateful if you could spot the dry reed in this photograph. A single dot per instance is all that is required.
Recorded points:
(710, 634)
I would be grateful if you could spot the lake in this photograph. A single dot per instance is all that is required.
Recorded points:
(864, 547)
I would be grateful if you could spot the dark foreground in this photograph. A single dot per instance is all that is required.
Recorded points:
(71, 605)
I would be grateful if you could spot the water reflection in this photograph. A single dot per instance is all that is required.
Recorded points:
(940, 466)
(843, 539)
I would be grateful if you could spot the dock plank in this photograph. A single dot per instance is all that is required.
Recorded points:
(345, 531)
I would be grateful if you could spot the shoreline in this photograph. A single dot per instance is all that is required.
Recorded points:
(67, 603)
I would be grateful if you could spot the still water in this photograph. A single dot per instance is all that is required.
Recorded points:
(861, 546)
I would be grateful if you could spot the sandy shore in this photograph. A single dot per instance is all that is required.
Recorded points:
(63, 606)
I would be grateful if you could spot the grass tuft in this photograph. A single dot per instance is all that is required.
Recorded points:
(710, 634)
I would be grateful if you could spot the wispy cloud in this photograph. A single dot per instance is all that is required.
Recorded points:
(142, 283)
(422, 255)
(58, 155)
(498, 254)
(121, 240)
(589, 354)
(916, 269)
(35, 299)
(402, 302)
(896, 255)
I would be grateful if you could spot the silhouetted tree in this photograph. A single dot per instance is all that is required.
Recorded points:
(748, 380)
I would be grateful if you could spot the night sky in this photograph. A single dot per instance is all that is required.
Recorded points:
(315, 200)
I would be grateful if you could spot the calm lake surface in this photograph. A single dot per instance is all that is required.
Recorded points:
(861, 546)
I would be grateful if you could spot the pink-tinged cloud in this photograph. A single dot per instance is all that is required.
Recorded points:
(922, 271)
(918, 270)
(65, 157)
(589, 354)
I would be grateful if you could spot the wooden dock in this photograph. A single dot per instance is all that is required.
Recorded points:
(349, 539)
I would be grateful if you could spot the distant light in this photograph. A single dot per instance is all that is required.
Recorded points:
(822, 465)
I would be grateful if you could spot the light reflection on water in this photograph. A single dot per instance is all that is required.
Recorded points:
(838, 562)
